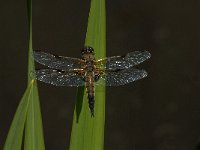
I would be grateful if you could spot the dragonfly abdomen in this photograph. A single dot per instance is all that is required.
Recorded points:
(89, 83)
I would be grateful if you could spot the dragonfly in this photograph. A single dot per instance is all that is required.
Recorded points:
(88, 71)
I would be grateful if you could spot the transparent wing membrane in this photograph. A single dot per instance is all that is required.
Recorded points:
(56, 62)
(122, 77)
(59, 78)
(112, 71)
(129, 60)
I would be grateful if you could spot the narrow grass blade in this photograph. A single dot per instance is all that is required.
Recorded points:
(34, 139)
(33, 127)
(88, 132)
(31, 65)
(15, 135)
(28, 113)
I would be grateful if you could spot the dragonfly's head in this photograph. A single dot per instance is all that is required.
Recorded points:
(87, 50)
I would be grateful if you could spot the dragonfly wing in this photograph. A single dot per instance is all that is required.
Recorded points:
(129, 60)
(56, 62)
(59, 78)
(122, 77)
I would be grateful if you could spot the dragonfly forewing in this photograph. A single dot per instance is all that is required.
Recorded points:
(56, 62)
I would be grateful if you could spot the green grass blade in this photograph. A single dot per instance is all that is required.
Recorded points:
(28, 113)
(31, 65)
(33, 127)
(28, 116)
(15, 135)
(34, 139)
(87, 132)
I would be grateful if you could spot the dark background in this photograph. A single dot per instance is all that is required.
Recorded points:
(160, 112)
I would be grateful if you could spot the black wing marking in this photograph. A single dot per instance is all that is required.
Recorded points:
(56, 62)
(122, 77)
(129, 60)
(59, 78)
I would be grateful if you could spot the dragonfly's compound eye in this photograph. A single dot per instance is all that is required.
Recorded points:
(90, 49)
(87, 49)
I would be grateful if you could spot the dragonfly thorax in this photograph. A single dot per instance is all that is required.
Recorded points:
(90, 65)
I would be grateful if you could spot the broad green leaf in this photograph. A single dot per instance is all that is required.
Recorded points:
(28, 113)
(88, 132)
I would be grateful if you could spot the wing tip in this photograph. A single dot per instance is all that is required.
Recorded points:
(36, 53)
(144, 73)
(147, 54)
(144, 53)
